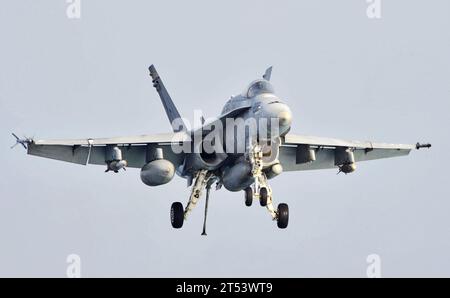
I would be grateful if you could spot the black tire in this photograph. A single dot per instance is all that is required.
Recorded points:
(283, 216)
(177, 215)
(248, 196)
(263, 194)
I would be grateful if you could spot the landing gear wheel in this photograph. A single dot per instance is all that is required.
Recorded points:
(177, 215)
(263, 194)
(248, 196)
(283, 216)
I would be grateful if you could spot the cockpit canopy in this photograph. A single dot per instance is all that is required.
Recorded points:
(259, 87)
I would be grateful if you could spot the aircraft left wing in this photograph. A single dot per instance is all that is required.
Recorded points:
(299, 153)
(93, 150)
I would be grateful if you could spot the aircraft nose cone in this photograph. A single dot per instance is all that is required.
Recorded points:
(285, 118)
(281, 114)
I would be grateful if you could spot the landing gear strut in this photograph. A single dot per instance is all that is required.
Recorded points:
(261, 190)
(203, 180)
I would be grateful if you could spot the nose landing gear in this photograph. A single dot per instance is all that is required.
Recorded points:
(261, 190)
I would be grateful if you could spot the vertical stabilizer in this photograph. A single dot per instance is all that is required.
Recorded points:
(171, 111)
(268, 74)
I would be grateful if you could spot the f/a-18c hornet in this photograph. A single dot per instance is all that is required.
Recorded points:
(241, 150)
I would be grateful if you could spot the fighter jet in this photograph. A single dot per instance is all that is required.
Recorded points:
(240, 150)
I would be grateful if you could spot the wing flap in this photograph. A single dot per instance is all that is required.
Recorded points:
(60, 152)
(291, 139)
(141, 139)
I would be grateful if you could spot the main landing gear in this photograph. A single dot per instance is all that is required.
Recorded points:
(203, 180)
(261, 191)
(177, 215)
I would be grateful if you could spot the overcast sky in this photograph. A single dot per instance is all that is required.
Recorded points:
(343, 75)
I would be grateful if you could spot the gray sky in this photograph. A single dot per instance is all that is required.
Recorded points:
(343, 75)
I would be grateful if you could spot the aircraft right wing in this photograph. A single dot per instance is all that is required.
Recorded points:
(93, 151)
